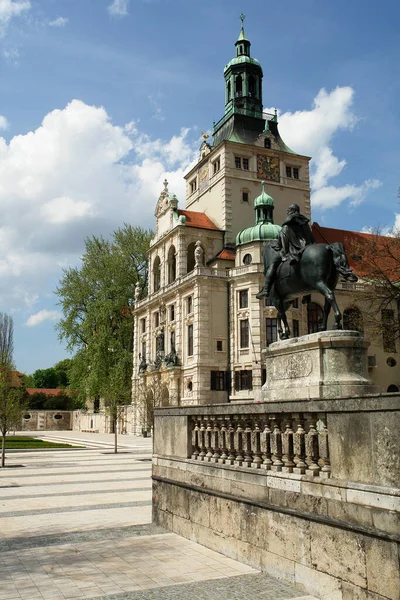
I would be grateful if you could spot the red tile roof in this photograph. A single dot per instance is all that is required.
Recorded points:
(226, 254)
(369, 255)
(47, 391)
(198, 219)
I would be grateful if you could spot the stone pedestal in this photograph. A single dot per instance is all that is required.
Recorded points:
(323, 365)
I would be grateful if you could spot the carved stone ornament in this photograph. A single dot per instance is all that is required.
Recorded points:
(137, 291)
(163, 201)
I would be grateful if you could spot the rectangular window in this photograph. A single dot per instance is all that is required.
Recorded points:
(143, 325)
(246, 164)
(190, 340)
(243, 380)
(172, 341)
(189, 305)
(288, 171)
(245, 196)
(193, 186)
(156, 319)
(244, 333)
(388, 331)
(238, 162)
(216, 166)
(295, 173)
(271, 327)
(243, 298)
(295, 303)
(143, 353)
(268, 301)
(172, 312)
(220, 346)
(218, 381)
(296, 330)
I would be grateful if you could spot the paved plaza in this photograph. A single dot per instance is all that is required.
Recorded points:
(77, 524)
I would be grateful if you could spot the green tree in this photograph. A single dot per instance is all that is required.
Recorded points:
(45, 378)
(11, 394)
(97, 323)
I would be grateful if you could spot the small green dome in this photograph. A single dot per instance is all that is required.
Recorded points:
(261, 232)
(263, 199)
(240, 60)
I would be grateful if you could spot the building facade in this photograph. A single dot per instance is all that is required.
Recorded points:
(200, 332)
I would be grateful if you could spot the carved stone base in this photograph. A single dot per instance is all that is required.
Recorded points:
(324, 365)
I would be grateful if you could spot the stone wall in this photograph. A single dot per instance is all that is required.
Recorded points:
(306, 491)
(47, 420)
(100, 422)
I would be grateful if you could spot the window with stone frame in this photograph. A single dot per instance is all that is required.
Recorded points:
(189, 305)
(244, 333)
(388, 330)
(171, 264)
(238, 162)
(143, 325)
(216, 166)
(220, 346)
(243, 298)
(156, 319)
(243, 380)
(218, 381)
(296, 172)
(144, 351)
(245, 163)
(193, 186)
(172, 312)
(172, 346)
(156, 274)
(190, 346)
(271, 326)
(289, 172)
(315, 315)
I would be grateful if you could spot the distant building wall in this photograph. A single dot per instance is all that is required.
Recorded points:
(47, 420)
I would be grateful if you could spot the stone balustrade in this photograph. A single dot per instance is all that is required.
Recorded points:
(287, 443)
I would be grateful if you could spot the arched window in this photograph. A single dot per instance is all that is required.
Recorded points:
(252, 86)
(352, 320)
(156, 274)
(190, 260)
(393, 388)
(238, 86)
(314, 315)
(171, 264)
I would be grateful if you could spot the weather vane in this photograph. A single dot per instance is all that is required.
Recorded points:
(242, 18)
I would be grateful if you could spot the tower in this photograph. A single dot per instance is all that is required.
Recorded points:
(246, 148)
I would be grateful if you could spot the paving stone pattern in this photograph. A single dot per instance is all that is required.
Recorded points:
(79, 526)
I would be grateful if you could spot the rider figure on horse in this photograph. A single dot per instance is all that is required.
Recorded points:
(294, 236)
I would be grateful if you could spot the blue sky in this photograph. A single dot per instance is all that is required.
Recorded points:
(101, 99)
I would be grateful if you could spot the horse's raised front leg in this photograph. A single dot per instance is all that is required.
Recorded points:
(330, 302)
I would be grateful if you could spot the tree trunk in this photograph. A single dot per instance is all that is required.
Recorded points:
(3, 451)
(115, 435)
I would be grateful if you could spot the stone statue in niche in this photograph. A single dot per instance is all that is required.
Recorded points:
(295, 265)
(198, 254)
(137, 291)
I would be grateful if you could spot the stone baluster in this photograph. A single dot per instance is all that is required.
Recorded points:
(323, 443)
(266, 447)
(209, 432)
(276, 445)
(287, 447)
(239, 445)
(216, 442)
(299, 446)
(224, 434)
(248, 455)
(231, 436)
(202, 432)
(256, 446)
(312, 448)
(195, 440)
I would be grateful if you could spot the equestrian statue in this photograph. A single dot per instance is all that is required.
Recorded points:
(294, 264)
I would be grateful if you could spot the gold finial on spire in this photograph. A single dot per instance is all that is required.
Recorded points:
(205, 135)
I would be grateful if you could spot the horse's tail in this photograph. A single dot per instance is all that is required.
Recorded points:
(340, 261)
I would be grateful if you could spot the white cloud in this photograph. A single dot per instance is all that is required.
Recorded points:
(43, 315)
(59, 22)
(3, 122)
(11, 55)
(10, 9)
(118, 8)
(311, 132)
(76, 175)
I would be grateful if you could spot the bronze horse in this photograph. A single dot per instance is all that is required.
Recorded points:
(318, 269)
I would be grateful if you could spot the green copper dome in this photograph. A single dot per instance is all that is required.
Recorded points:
(263, 199)
(241, 60)
(264, 229)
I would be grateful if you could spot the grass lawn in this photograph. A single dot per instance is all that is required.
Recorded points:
(23, 441)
